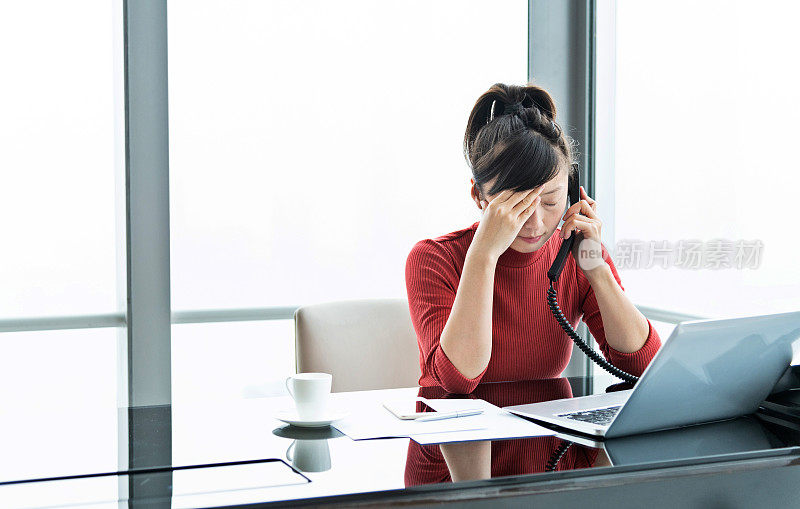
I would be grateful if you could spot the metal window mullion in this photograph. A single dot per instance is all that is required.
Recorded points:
(560, 59)
(234, 315)
(231, 315)
(145, 358)
(62, 322)
(605, 118)
(147, 203)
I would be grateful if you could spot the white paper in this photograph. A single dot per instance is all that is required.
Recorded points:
(457, 405)
(372, 420)
(375, 421)
(496, 424)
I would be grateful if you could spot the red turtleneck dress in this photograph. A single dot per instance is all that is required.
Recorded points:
(527, 342)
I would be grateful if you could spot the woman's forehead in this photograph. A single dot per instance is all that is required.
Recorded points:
(552, 184)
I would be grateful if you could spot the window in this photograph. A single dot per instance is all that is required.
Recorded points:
(308, 141)
(705, 122)
(57, 197)
(57, 200)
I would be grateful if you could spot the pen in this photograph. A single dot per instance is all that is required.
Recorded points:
(436, 416)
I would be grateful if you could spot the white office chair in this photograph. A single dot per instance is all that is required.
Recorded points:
(365, 344)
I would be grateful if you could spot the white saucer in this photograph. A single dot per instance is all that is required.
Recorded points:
(291, 417)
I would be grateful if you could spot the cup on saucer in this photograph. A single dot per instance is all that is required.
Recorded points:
(310, 392)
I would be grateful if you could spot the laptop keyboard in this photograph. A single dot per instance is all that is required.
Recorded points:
(596, 416)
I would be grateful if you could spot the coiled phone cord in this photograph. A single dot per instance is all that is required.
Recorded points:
(558, 453)
(562, 320)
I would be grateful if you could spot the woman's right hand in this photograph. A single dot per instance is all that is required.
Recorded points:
(503, 218)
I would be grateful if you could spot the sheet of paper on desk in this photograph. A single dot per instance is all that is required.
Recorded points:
(497, 424)
(374, 421)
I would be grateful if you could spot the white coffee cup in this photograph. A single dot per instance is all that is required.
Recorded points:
(310, 392)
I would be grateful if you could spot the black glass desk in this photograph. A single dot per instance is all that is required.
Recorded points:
(228, 453)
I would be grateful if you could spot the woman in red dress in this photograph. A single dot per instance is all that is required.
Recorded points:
(478, 295)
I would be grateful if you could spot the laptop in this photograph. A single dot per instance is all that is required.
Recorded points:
(707, 370)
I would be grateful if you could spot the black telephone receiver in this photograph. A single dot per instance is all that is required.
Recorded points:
(554, 273)
(574, 193)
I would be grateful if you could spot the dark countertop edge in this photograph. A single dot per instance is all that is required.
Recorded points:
(569, 480)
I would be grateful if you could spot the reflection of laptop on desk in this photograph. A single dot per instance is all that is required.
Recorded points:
(708, 370)
(733, 436)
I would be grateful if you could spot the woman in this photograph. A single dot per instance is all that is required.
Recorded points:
(477, 295)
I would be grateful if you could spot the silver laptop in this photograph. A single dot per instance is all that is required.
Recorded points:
(707, 370)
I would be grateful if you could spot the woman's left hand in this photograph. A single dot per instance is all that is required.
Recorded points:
(581, 220)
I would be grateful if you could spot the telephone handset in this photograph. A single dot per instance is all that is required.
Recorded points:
(574, 194)
(555, 272)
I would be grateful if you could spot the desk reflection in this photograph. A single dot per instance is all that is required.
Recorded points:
(463, 461)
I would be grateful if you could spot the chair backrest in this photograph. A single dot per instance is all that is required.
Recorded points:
(365, 344)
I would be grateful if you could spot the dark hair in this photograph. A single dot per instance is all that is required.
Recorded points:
(523, 148)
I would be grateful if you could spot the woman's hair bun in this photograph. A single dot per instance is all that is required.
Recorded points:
(512, 134)
(539, 98)
(534, 107)
(539, 111)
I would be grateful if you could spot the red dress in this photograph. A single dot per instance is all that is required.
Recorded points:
(527, 341)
